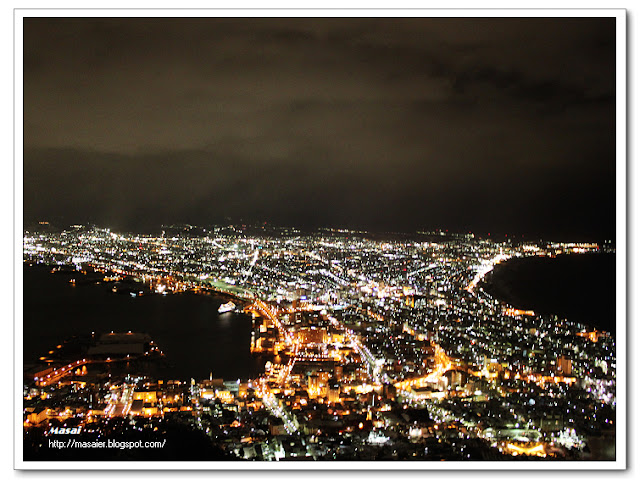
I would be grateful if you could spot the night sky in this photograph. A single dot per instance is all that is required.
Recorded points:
(482, 125)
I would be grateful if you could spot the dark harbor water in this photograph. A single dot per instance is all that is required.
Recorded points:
(579, 287)
(196, 339)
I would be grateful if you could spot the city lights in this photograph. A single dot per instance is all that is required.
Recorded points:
(367, 346)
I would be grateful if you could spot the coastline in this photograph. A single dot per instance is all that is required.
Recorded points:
(84, 307)
(579, 288)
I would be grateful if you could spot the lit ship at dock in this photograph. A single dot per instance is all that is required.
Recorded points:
(228, 306)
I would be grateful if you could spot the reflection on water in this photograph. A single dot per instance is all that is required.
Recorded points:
(196, 340)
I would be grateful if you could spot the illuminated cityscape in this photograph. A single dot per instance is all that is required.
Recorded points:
(371, 240)
(375, 349)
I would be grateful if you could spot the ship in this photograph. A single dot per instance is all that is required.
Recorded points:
(229, 306)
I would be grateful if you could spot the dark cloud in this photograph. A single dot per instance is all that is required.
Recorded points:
(498, 124)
